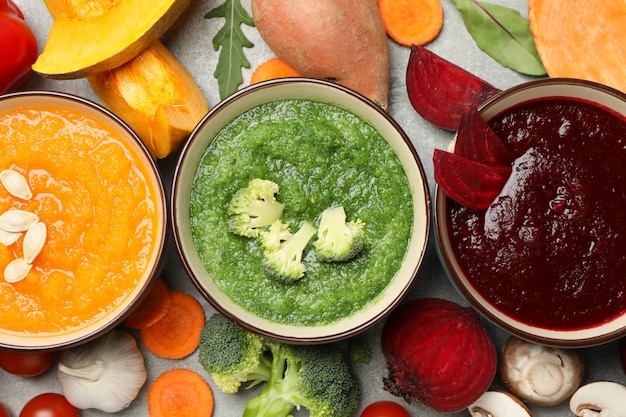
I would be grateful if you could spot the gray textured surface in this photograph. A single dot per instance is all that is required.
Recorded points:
(191, 41)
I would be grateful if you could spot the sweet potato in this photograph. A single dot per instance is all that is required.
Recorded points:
(338, 40)
(585, 39)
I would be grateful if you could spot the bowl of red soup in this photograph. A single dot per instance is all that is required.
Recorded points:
(301, 210)
(82, 220)
(538, 246)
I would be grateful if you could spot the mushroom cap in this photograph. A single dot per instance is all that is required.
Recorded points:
(599, 398)
(498, 404)
(540, 375)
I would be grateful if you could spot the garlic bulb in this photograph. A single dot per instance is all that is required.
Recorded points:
(105, 374)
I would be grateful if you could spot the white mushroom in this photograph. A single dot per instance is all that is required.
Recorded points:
(498, 404)
(601, 399)
(540, 375)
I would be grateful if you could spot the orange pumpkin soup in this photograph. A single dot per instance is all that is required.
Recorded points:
(101, 215)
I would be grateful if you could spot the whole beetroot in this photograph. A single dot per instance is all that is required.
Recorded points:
(438, 353)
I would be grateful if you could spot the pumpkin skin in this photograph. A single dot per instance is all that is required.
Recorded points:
(88, 37)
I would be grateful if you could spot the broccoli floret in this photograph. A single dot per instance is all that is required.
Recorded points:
(338, 240)
(231, 355)
(282, 250)
(316, 377)
(254, 207)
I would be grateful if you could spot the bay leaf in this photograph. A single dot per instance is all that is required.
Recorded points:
(503, 34)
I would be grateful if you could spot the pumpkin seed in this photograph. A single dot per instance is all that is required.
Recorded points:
(34, 240)
(15, 184)
(8, 238)
(17, 220)
(16, 270)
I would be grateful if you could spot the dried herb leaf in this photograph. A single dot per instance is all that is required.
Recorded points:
(503, 34)
(231, 40)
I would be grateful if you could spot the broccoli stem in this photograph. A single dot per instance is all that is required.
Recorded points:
(276, 398)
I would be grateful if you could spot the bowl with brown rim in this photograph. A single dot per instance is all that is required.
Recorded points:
(82, 219)
(544, 260)
(267, 157)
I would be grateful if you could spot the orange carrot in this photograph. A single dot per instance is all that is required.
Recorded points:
(152, 308)
(180, 393)
(272, 69)
(177, 334)
(411, 22)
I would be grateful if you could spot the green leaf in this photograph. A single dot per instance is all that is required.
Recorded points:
(231, 39)
(503, 34)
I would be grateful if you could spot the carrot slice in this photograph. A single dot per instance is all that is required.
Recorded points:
(177, 334)
(411, 22)
(272, 69)
(581, 39)
(180, 393)
(152, 308)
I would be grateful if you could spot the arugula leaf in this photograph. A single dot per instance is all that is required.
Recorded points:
(231, 39)
(503, 34)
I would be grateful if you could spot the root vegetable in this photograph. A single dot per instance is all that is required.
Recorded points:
(411, 22)
(338, 40)
(271, 69)
(438, 353)
(440, 91)
(597, 53)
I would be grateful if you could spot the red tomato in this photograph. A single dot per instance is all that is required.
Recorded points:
(49, 404)
(3, 411)
(384, 409)
(26, 363)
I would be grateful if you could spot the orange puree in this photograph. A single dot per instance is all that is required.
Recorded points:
(102, 215)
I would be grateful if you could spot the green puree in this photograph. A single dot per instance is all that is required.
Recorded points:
(320, 156)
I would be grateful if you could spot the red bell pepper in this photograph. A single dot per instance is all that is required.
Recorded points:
(18, 45)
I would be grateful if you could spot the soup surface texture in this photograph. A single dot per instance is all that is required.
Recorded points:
(551, 249)
(91, 191)
(320, 156)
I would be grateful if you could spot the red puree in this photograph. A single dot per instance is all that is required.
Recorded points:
(551, 250)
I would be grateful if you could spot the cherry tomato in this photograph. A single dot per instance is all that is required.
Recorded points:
(49, 404)
(384, 409)
(3, 411)
(26, 363)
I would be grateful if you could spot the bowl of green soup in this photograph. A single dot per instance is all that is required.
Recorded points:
(300, 210)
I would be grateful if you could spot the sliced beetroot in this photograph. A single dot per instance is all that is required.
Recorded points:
(476, 140)
(441, 91)
(472, 184)
(438, 353)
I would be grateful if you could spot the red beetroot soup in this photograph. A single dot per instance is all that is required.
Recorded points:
(551, 250)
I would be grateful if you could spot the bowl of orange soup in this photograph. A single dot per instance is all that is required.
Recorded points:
(82, 220)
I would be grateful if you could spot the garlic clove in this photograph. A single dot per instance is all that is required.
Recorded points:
(105, 374)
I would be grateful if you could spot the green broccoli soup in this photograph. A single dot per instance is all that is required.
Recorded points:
(318, 157)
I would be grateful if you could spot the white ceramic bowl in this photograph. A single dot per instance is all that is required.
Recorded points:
(575, 337)
(95, 326)
(297, 88)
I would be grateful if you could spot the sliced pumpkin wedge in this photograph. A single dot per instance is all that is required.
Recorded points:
(88, 37)
(581, 39)
(156, 96)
